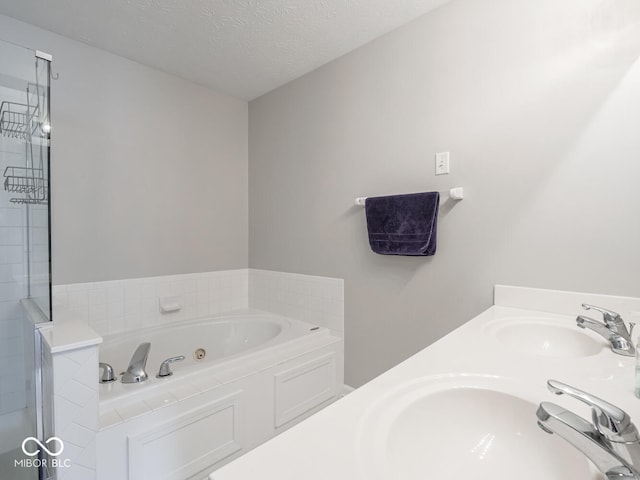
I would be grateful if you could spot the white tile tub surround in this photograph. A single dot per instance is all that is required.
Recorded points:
(70, 355)
(123, 305)
(75, 396)
(317, 300)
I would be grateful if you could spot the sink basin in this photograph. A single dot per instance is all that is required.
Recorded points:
(464, 427)
(544, 337)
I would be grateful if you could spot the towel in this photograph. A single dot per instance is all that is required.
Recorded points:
(403, 224)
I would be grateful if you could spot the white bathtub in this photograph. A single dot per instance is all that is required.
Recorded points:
(262, 373)
(223, 339)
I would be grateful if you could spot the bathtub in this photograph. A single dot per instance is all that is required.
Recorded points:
(261, 373)
(209, 342)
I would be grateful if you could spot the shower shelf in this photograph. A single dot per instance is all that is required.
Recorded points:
(16, 120)
(26, 181)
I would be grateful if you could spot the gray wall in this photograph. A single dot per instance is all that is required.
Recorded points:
(149, 171)
(538, 103)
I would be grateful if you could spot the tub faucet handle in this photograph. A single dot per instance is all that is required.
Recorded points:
(165, 367)
(107, 373)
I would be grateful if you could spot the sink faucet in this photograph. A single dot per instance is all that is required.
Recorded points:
(613, 329)
(135, 371)
(611, 442)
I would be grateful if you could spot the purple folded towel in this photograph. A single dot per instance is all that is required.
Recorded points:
(403, 224)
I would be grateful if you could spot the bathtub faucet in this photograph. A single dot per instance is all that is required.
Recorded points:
(135, 372)
(611, 441)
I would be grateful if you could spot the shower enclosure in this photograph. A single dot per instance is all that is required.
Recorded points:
(25, 272)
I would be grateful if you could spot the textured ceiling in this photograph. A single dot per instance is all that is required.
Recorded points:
(242, 48)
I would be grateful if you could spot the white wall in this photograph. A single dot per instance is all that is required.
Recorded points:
(539, 105)
(149, 171)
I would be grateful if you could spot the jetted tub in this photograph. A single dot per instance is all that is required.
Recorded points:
(261, 374)
(204, 343)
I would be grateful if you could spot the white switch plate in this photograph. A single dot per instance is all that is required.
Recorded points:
(442, 163)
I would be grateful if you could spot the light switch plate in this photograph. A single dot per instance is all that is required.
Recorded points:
(442, 163)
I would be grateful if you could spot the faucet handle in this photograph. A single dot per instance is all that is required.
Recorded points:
(612, 422)
(609, 315)
(107, 373)
(165, 367)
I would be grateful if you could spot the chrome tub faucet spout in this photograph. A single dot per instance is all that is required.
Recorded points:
(611, 441)
(613, 329)
(136, 371)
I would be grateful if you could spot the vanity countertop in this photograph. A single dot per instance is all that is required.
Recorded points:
(337, 442)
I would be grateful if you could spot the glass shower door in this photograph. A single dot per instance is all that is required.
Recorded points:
(36, 200)
(24, 248)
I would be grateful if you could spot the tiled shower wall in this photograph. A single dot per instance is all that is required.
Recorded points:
(124, 305)
(39, 255)
(12, 280)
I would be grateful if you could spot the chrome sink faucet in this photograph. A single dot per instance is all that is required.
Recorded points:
(613, 329)
(611, 442)
(135, 371)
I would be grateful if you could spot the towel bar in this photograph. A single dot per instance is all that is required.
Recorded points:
(456, 193)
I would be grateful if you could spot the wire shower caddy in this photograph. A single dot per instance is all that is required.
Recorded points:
(27, 181)
(17, 120)
(22, 122)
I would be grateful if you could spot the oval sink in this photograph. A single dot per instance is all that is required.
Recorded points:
(465, 428)
(544, 337)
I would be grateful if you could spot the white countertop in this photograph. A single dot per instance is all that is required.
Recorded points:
(329, 445)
